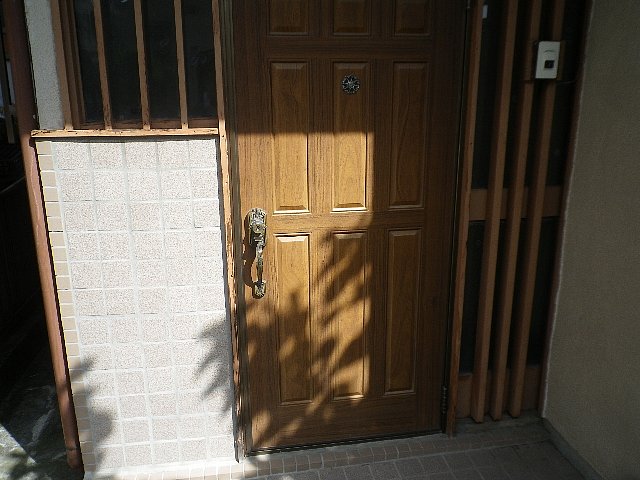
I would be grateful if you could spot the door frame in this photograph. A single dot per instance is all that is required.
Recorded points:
(234, 220)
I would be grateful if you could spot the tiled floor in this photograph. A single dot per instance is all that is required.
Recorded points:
(508, 451)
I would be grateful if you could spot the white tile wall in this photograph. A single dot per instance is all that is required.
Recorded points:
(141, 287)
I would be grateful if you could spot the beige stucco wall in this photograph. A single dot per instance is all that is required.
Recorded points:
(593, 396)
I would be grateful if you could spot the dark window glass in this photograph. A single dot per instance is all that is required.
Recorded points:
(471, 295)
(88, 60)
(489, 58)
(197, 20)
(542, 291)
(122, 60)
(162, 63)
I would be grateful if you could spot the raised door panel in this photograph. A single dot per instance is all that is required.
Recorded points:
(351, 311)
(289, 17)
(403, 300)
(290, 107)
(409, 135)
(351, 138)
(294, 350)
(351, 17)
(412, 17)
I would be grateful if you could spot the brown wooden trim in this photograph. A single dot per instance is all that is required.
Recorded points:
(534, 224)
(514, 219)
(203, 122)
(532, 386)
(124, 132)
(182, 77)
(165, 123)
(494, 204)
(222, 29)
(15, 24)
(555, 283)
(102, 64)
(61, 65)
(552, 203)
(142, 65)
(473, 72)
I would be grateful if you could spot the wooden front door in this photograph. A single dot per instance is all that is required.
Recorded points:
(347, 118)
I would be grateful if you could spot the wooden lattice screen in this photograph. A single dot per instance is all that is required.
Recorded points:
(515, 155)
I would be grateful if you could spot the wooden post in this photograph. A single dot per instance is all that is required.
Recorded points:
(13, 11)
(471, 101)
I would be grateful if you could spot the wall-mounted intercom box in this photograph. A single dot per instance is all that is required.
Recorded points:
(547, 61)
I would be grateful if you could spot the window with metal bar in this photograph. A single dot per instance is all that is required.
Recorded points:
(139, 64)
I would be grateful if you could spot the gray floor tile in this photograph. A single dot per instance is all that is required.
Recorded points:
(384, 471)
(505, 455)
(572, 476)
(312, 475)
(409, 467)
(467, 474)
(442, 476)
(434, 464)
(532, 453)
(358, 472)
(519, 471)
(332, 474)
(482, 458)
(493, 473)
(458, 461)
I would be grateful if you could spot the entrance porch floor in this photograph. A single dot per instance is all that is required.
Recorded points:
(31, 448)
(509, 450)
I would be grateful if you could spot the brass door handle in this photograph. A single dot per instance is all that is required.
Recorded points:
(258, 239)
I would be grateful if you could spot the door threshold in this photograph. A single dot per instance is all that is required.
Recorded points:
(356, 441)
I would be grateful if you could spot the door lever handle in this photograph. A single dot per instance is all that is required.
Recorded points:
(257, 239)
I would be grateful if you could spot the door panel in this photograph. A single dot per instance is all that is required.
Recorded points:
(358, 187)
(409, 134)
(413, 17)
(290, 128)
(289, 17)
(351, 17)
(402, 313)
(294, 323)
(351, 366)
(351, 138)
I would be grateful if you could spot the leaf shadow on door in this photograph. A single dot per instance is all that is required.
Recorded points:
(323, 354)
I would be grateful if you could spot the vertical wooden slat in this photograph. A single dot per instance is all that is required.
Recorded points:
(142, 65)
(534, 224)
(473, 74)
(514, 214)
(102, 65)
(61, 65)
(494, 201)
(182, 77)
